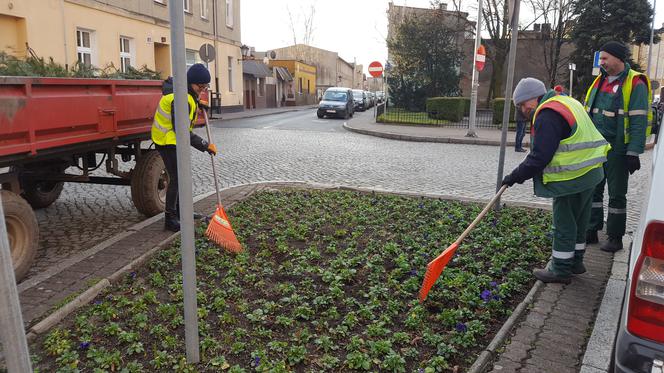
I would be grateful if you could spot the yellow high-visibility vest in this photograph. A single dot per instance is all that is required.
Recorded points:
(162, 125)
(584, 150)
(626, 95)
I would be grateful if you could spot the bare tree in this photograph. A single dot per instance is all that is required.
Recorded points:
(556, 15)
(302, 28)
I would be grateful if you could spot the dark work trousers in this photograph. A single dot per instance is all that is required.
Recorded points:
(520, 134)
(616, 176)
(168, 154)
(570, 219)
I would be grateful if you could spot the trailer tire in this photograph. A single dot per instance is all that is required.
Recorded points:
(42, 193)
(22, 232)
(149, 181)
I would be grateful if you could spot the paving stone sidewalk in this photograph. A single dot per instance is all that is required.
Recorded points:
(553, 335)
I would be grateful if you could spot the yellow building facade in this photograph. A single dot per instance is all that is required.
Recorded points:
(127, 33)
(303, 88)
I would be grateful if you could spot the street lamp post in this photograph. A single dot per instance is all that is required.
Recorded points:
(572, 67)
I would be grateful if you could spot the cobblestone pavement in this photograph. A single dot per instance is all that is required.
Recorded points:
(553, 335)
(86, 214)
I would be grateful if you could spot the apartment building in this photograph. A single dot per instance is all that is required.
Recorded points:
(127, 33)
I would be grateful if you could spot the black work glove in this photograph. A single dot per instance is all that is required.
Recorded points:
(632, 163)
(508, 180)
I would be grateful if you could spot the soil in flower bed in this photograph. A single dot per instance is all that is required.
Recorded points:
(328, 281)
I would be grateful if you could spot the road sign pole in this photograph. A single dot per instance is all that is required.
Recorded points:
(508, 94)
(474, 81)
(14, 344)
(184, 181)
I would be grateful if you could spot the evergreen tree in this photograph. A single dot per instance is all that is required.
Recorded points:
(426, 61)
(599, 21)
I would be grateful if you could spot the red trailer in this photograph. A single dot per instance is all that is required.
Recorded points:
(48, 125)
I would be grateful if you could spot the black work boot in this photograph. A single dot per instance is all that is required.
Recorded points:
(591, 237)
(545, 275)
(612, 245)
(171, 223)
(578, 268)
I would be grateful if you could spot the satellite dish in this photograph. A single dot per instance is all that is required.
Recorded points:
(273, 54)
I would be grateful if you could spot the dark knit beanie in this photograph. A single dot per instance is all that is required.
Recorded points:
(198, 74)
(616, 49)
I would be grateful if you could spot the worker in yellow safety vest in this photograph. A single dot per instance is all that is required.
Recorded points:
(164, 127)
(565, 163)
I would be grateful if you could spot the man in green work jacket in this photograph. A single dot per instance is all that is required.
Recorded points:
(565, 163)
(618, 102)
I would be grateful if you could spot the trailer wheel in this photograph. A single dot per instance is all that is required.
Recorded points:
(149, 182)
(22, 232)
(42, 194)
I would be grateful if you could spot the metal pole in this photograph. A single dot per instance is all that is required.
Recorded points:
(474, 82)
(508, 94)
(184, 181)
(12, 334)
(571, 79)
(652, 33)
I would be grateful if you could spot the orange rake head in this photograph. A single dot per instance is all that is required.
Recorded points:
(435, 268)
(221, 232)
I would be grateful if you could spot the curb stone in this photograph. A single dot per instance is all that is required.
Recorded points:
(88, 295)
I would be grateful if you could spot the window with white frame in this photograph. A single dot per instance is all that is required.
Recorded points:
(187, 6)
(229, 13)
(191, 57)
(204, 9)
(125, 53)
(230, 74)
(84, 41)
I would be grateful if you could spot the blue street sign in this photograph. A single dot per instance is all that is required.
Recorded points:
(596, 59)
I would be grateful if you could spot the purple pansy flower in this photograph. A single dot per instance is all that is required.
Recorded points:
(84, 345)
(256, 361)
(461, 327)
(486, 295)
(493, 284)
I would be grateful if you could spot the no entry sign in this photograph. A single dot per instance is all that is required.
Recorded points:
(480, 58)
(376, 69)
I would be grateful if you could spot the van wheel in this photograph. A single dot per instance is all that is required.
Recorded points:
(22, 232)
(149, 181)
(42, 194)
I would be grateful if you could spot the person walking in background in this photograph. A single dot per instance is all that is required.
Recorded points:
(163, 135)
(565, 163)
(520, 132)
(618, 102)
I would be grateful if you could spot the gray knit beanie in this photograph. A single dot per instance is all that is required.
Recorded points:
(528, 88)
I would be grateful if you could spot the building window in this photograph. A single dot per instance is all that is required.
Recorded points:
(230, 74)
(191, 57)
(261, 87)
(229, 13)
(84, 46)
(125, 54)
(299, 88)
(204, 9)
(187, 6)
(308, 86)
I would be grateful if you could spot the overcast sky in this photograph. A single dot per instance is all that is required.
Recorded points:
(356, 29)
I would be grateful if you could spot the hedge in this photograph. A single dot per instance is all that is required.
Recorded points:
(498, 105)
(449, 108)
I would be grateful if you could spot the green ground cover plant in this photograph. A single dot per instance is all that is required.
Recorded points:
(328, 281)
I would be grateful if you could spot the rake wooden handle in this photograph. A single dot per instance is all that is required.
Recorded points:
(481, 215)
(214, 169)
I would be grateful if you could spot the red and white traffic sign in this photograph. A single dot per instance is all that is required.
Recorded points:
(375, 69)
(480, 57)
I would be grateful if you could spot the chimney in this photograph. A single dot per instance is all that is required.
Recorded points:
(536, 27)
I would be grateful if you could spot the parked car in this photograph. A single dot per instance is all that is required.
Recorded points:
(380, 97)
(361, 100)
(370, 97)
(640, 340)
(337, 102)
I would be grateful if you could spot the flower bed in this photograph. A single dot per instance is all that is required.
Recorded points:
(328, 282)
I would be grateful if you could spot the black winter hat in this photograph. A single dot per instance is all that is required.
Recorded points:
(616, 49)
(198, 74)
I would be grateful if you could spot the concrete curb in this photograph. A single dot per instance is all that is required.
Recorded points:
(255, 115)
(599, 350)
(446, 140)
(503, 334)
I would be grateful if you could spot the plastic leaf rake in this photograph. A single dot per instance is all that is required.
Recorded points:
(436, 266)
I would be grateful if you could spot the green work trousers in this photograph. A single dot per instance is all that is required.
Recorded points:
(616, 175)
(570, 220)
